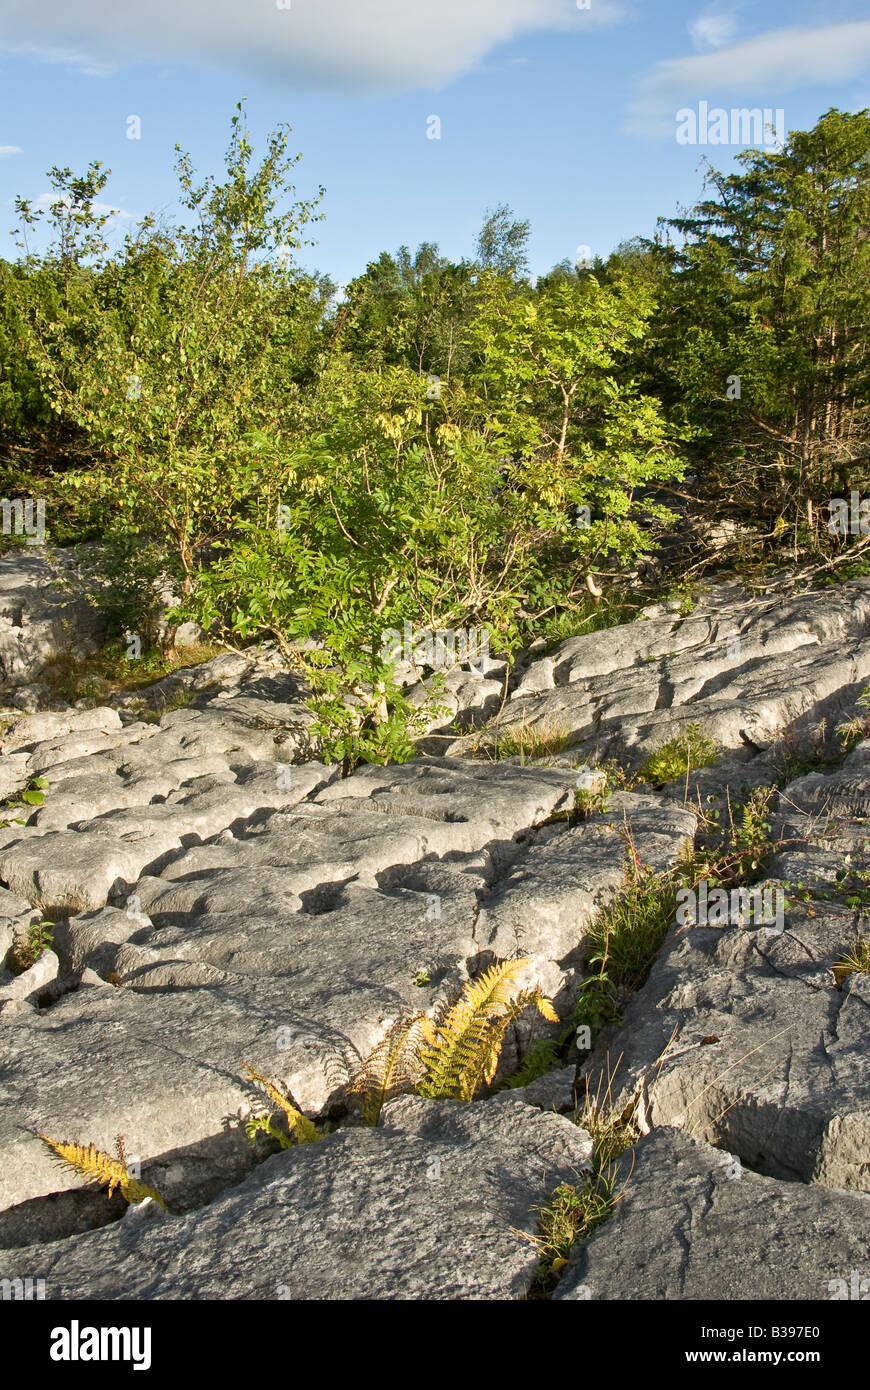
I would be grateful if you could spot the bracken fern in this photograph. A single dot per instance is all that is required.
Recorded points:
(393, 1068)
(97, 1166)
(451, 1056)
(303, 1130)
(463, 1047)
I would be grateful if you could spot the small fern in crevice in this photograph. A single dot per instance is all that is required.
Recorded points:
(464, 1045)
(301, 1129)
(95, 1165)
(393, 1068)
(453, 1055)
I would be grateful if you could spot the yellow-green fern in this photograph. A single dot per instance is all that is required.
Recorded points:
(452, 1056)
(301, 1128)
(97, 1166)
(462, 1048)
(394, 1067)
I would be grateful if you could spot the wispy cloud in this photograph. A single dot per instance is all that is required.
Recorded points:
(10, 149)
(351, 45)
(713, 27)
(763, 67)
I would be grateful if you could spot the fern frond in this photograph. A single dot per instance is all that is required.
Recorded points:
(545, 1007)
(462, 1048)
(265, 1124)
(302, 1129)
(95, 1165)
(392, 1068)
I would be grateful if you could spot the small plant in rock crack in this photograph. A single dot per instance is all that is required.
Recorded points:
(525, 742)
(678, 756)
(856, 961)
(33, 795)
(733, 850)
(541, 1058)
(26, 952)
(592, 801)
(623, 941)
(99, 1167)
(574, 1210)
(454, 1054)
(851, 886)
(793, 757)
(301, 1130)
(572, 1213)
(853, 731)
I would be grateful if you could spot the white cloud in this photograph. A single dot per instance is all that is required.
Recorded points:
(10, 149)
(358, 45)
(713, 27)
(764, 67)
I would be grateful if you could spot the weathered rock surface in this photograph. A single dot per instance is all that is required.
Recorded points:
(433, 1204)
(692, 1223)
(38, 620)
(746, 667)
(217, 894)
(744, 1036)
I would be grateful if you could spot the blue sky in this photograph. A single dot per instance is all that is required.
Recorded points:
(568, 115)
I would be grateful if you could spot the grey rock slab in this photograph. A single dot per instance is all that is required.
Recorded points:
(742, 1037)
(79, 869)
(224, 669)
(538, 676)
(39, 728)
(745, 667)
(432, 1205)
(90, 939)
(552, 1091)
(14, 774)
(331, 983)
(77, 747)
(325, 983)
(29, 983)
(38, 620)
(161, 1069)
(545, 904)
(83, 798)
(16, 916)
(691, 1224)
(616, 649)
(845, 793)
(366, 825)
(312, 846)
(495, 801)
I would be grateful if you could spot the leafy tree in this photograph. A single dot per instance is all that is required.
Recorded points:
(412, 311)
(169, 354)
(773, 287)
(502, 243)
(575, 435)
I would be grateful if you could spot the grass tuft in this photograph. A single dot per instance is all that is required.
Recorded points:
(676, 757)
